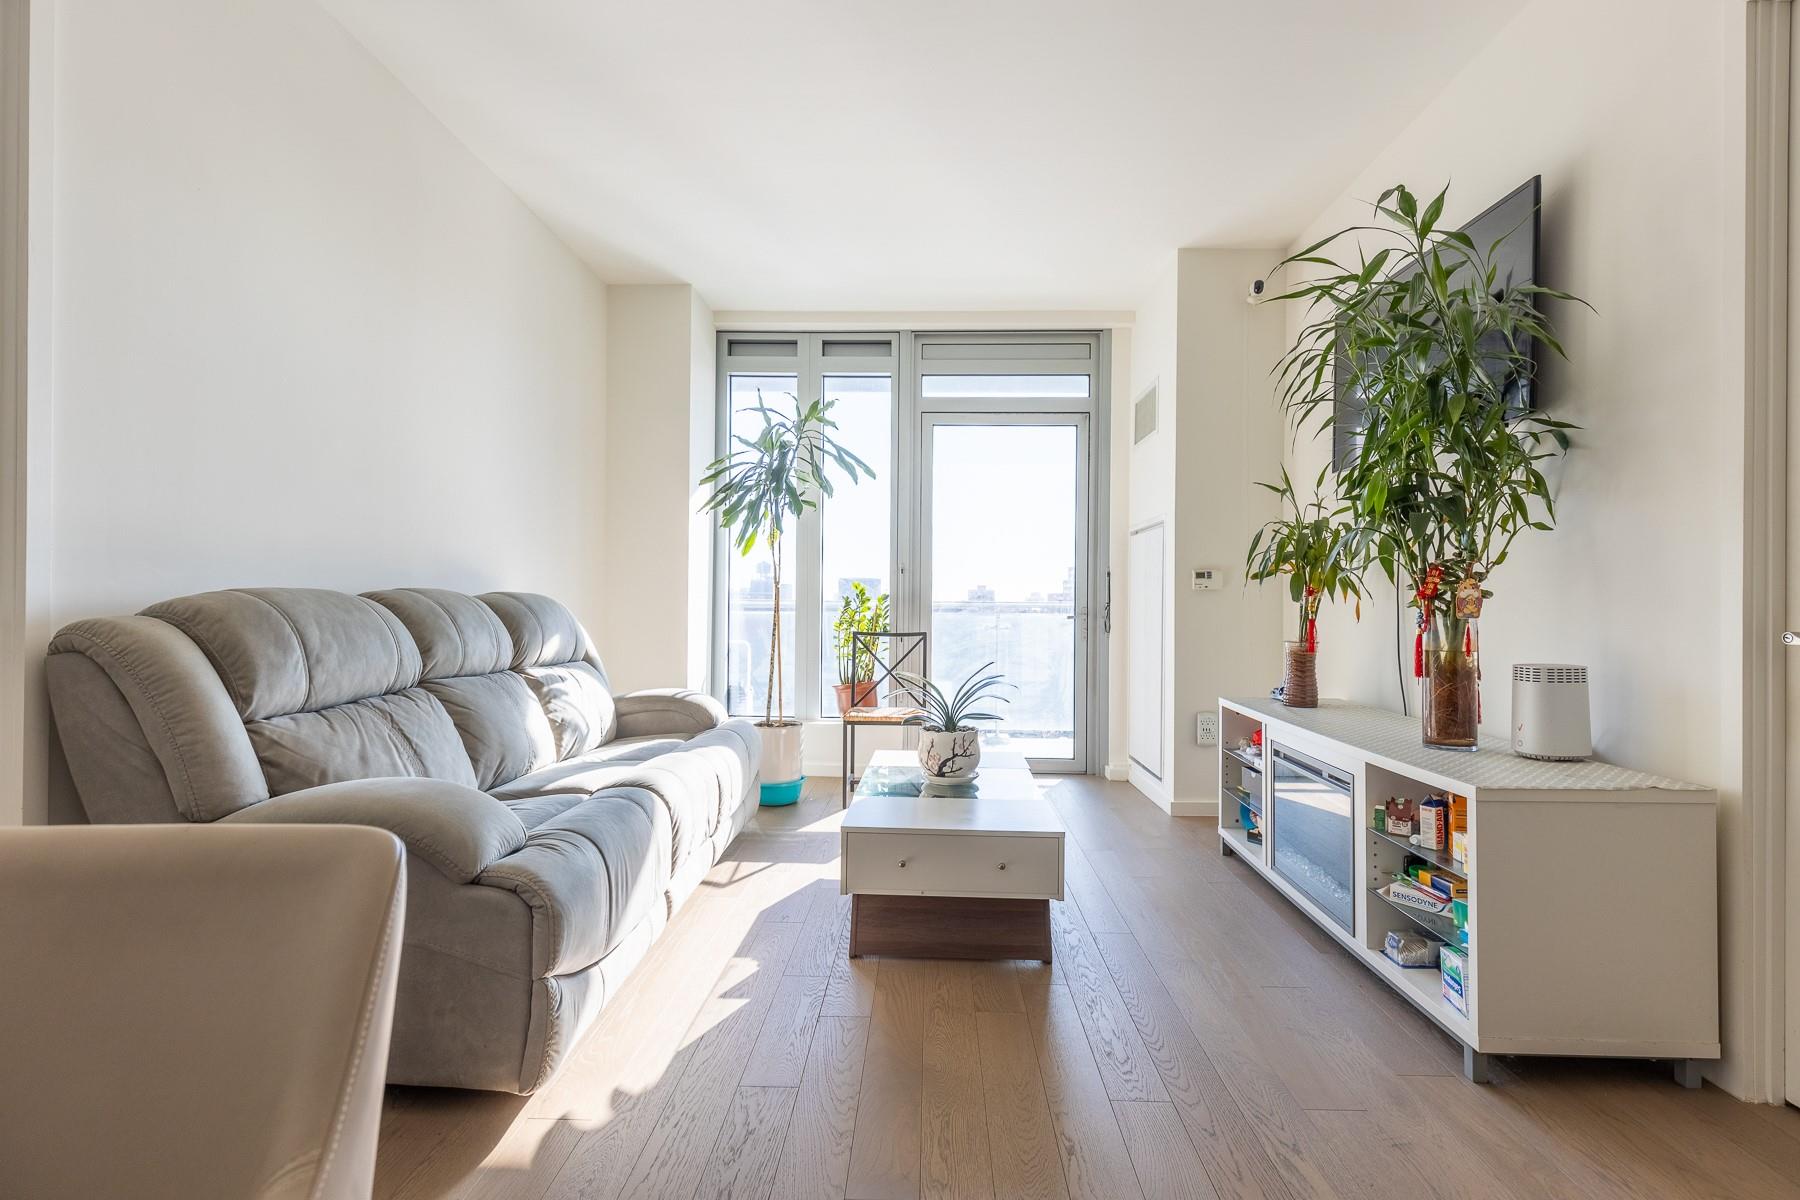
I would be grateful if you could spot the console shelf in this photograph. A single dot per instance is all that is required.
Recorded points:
(1592, 889)
(1436, 858)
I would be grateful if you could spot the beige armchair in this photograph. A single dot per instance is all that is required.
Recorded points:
(195, 1011)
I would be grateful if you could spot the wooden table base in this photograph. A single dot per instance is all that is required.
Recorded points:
(949, 927)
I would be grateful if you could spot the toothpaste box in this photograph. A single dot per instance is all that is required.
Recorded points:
(1409, 895)
(1453, 963)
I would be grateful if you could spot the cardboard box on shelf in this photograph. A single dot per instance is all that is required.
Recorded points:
(1453, 963)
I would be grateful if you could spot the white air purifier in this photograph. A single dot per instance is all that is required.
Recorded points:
(1550, 712)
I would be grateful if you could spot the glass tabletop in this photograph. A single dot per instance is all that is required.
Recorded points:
(907, 779)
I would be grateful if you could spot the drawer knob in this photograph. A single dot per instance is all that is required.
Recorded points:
(1003, 866)
(903, 862)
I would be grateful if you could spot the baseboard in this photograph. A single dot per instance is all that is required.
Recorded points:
(1117, 772)
(1193, 808)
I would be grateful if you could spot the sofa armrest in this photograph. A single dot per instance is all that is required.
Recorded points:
(457, 829)
(676, 712)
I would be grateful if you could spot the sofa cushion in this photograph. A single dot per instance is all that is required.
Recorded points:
(503, 726)
(456, 633)
(586, 773)
(535, 810)
(288, 650)
(404, 734)
(696, 782)
(577, 704)
(544, 632)
(590, 874)
(186, 718)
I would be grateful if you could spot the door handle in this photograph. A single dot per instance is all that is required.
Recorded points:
(1790, 638)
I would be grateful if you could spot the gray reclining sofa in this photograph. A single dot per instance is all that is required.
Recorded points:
(551, 827)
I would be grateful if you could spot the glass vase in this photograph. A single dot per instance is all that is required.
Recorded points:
(1300, 676)
(1450, 689)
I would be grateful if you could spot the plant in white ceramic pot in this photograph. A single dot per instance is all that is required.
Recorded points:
(949, 742)
(757, 488)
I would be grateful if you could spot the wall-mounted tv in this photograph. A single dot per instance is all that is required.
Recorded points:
(1513, 217)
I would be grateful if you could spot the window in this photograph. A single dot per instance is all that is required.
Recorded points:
(996, 387)
(856, 524)
(848, 539)
(985, 523)
(750, 583)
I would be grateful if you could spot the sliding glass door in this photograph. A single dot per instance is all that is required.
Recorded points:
(1005, 561)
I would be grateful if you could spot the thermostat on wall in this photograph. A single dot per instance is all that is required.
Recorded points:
(1208, 579)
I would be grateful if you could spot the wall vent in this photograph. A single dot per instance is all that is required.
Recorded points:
(1143, 416)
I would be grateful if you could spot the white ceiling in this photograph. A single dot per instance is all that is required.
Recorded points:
(937, 154)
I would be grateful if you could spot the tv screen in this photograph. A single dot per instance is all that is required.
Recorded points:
(1515, 262)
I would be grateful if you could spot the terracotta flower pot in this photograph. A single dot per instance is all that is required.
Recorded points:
(1300, 679)
(854, 695)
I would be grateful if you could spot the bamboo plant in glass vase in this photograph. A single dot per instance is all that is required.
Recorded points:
(758, 488)
(1447, 466)
(1307, 544)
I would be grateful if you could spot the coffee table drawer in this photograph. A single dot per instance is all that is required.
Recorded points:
(968, 864)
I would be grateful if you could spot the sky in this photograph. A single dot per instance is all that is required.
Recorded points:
(1003, 497)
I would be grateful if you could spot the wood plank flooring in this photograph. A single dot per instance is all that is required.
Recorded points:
(1195, 1037)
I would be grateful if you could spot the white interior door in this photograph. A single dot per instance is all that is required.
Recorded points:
(1005, 517)
(1147, 633)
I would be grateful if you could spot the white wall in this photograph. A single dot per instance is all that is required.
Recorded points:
(1627, 109)
(1207, 354)
(1228, 436)
(1151, 498)
(660, 388)
(299, 336)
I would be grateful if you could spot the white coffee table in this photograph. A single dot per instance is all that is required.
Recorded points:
(963, 871)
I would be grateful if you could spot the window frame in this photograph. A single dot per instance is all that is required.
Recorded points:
(813, 358)
(914, 354)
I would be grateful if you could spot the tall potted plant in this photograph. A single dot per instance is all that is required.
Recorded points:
(757, 489)
(1307, 544)
(858, 613)
(1447, 469)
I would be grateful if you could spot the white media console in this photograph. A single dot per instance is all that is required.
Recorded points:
(1592, 889)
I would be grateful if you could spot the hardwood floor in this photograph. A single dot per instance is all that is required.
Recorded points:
(1194, 1037)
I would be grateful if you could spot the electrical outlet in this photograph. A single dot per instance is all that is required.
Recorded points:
(1208, 579)
(1206, 729)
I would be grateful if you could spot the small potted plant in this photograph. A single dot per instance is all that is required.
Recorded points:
(756, 489)
(949, 744)
(1307, 545)
(859, 613)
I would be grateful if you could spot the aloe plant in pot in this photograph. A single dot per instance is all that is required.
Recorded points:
(757, 488)
(950, 744)
(1447, 470)
(1306, 543)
